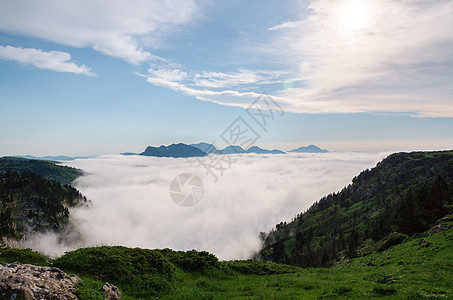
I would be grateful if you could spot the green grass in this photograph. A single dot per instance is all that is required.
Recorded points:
(413, 269)
(89, 288)
(418, 268)
(410, 270)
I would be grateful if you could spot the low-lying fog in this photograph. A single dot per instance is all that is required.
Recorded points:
(132, 204)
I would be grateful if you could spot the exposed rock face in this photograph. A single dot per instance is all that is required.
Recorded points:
(11, 243)
(111, 292)
(24, 281)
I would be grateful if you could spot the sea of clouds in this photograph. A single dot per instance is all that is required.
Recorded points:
(131, 203)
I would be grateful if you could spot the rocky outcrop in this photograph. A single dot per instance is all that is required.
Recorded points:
(24, 281)
(11, 243)
(111, 292)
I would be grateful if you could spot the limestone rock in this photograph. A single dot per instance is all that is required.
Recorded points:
(24, 281)
(111, 292)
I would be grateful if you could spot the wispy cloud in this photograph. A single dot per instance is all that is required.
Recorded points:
(51, 60)
(233, 89)
(116, 28)
(223, 80)
(214, 80)
(284, 25)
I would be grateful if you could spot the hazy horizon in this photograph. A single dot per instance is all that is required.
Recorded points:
(344, 147)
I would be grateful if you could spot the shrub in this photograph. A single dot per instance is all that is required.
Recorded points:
(24, 256)
(343, 290)
(137, 272)
(393, 239)
(192, 261)
(259, 267)
(384, 291)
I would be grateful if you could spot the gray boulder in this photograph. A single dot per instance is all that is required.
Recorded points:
(111, 292)
(24, 281)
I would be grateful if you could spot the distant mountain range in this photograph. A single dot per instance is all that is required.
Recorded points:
(203, 149)
(192, 150)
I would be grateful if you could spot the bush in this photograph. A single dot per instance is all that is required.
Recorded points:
(343, 290)
(192, 261)
(393, 239)
(24, 256)
(259, 267)
(384, 291)
(137, 272)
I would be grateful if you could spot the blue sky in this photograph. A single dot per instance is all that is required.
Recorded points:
(100, 77)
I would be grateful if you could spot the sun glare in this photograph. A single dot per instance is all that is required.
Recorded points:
(354, 15)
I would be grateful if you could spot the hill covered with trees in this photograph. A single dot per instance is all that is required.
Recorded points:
(31, 203)
(404, 194)
(46, 169)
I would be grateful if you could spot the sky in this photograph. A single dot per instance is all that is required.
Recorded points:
(103, 77)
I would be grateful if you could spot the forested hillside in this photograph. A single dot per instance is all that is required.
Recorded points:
(30, 203)
(404, 194)
(46, 169)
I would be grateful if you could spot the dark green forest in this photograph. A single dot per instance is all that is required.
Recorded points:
(403, 195)
(46, 169)
(30, 203)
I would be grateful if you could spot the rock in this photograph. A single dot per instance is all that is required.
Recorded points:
(24, 281)
(11, 243)
(111, 292)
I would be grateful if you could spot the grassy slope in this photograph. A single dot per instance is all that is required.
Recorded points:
(411, 270)
(408, 270)
(46, 169)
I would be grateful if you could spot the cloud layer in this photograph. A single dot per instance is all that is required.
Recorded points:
(132, 205)
(52, 60)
